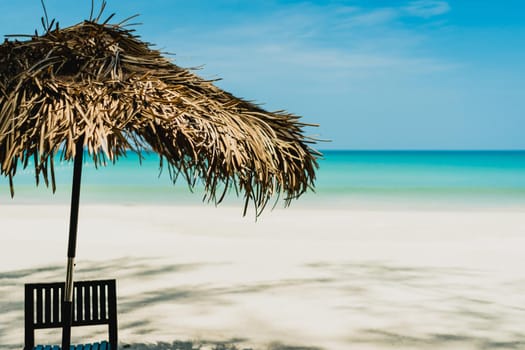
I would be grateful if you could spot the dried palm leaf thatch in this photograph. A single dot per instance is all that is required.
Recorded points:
(98, 84)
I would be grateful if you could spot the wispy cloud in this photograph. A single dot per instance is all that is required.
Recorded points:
(427, 8)
(371, 17)
(338, 39)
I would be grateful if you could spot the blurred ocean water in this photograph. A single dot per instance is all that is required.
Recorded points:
(478, 178)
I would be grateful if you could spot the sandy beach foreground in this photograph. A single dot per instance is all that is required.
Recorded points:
(300, 278)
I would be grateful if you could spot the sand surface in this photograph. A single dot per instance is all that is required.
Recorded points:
(300, 278)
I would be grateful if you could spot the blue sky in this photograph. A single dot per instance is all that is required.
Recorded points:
(422, 74)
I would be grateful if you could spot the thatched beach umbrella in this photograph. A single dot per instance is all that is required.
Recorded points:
(95, 86)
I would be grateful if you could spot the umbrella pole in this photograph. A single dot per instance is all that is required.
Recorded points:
(72, 244)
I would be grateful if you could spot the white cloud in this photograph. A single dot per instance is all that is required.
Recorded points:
(342, 60)
(328, 42)
(372, 18)
(427, 8)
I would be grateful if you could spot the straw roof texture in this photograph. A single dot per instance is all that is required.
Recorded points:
(98, 84)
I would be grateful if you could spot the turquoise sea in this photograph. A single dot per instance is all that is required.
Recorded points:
(345, 178)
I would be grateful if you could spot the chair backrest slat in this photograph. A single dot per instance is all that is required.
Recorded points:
(88, 315)
(103, 304)
(95, 302)
(57, 297)
(39, 308)
(47, 305)
(77, 306)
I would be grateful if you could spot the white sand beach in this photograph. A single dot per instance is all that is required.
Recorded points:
(300, 278)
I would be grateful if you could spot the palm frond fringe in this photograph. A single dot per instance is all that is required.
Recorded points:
(98, 84)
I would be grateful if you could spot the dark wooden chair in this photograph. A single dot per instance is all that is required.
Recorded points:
(94, 303)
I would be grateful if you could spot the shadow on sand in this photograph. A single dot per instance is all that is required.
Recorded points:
(229, 345)
(411, 308)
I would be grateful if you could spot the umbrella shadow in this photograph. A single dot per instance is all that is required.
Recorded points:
(396, 306)
(131, 270)
(232, 344)
(210, 295)
(457, 305)
(426, 307)
(386, 339)
(12, 286)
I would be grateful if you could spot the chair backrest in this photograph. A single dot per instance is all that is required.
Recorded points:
(94, 303)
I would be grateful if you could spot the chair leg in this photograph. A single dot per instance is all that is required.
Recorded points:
(113, 339)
